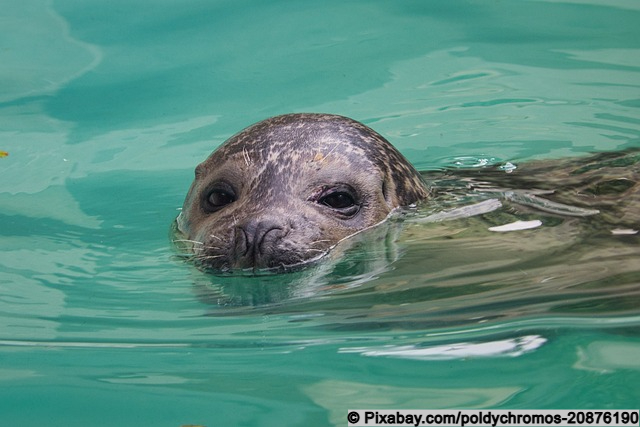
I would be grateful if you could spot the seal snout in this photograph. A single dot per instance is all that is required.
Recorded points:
(257, 243)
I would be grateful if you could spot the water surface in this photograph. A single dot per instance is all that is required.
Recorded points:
(106, 107)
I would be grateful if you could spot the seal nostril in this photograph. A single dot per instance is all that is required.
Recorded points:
(256, 242)
(266, 241)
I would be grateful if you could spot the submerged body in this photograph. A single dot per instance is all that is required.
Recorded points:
(603, 188)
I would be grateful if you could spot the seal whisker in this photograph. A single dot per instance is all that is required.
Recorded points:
(208, 257)
(245, 154)
(330, 151)
(211, 248)
(217, 237)
(187, 241)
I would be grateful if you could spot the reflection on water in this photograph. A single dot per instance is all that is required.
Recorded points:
(512, 347)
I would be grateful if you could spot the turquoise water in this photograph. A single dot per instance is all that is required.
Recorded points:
(106, 107)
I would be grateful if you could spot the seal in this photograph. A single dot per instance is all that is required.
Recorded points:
(285, 191)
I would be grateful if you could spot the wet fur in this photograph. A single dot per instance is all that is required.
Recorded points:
(279, 168)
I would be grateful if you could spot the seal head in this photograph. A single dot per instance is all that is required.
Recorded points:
(284, 191)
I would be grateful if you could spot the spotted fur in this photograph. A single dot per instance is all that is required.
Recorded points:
(278, 170)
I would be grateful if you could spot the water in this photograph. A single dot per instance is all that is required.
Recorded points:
(108, 106)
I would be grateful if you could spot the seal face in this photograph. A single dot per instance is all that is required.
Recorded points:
(286, 190)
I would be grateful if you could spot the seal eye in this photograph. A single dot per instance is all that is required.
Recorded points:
(218, 199)
(341, 200)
